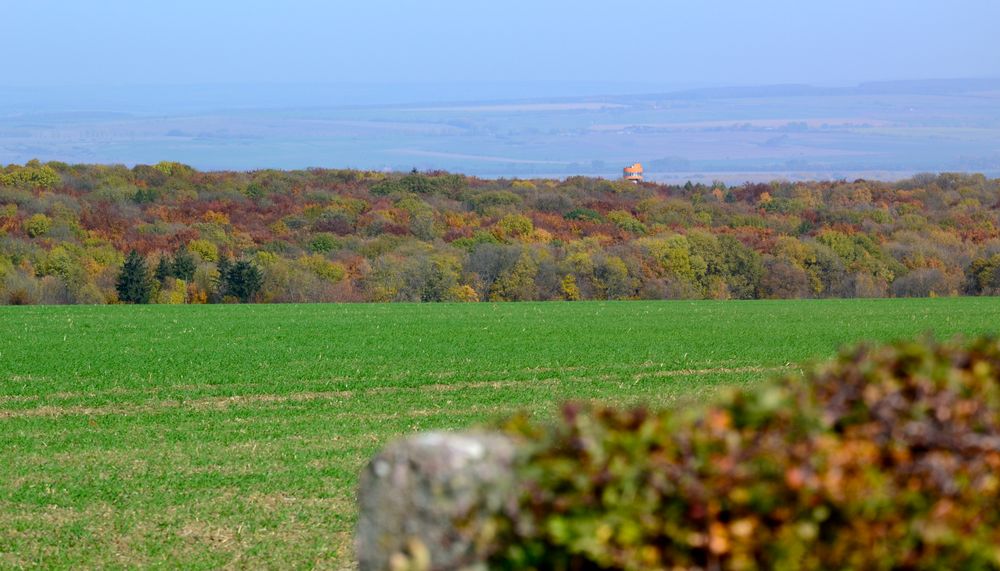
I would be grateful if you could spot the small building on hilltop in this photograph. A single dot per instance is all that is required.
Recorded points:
(633, 173)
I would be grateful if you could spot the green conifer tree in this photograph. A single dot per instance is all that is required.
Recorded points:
(163, 270)
(223, 266)
(184, 265)
(244, 281)
(134, 285)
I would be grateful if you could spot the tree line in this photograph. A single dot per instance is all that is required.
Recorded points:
(239, 282)
(168, 233)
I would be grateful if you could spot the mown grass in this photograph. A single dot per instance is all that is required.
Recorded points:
(202, 437)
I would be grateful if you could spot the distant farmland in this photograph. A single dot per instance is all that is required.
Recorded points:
(731, 134)
(198, 437)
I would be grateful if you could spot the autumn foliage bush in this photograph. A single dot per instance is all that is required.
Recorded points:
(886, 458)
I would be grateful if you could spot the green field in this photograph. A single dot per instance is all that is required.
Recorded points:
(200, 437)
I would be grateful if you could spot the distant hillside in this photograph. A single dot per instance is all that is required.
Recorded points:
(344, 235)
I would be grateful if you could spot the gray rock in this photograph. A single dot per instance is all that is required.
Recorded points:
(426, 501)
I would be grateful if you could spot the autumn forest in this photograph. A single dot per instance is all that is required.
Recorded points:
(352, 236)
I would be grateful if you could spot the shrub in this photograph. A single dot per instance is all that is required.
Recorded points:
(513, 226)
(478, 237)
(626, 221)
(583, 214)
(323, 242)
(887, 458)
(37, 225)
(387, 187)
(323, 268)
(8, 217)
(206, 250)
(31, 175)
(494, 201)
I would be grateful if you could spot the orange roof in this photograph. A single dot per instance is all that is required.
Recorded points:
(635, 168)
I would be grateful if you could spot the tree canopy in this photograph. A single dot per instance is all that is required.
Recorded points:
(343, 235)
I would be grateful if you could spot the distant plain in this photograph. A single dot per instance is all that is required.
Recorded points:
(884, 130)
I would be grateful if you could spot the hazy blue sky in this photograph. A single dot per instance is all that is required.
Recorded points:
(128, 42)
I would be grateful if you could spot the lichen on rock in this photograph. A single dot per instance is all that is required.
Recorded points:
(427, 502)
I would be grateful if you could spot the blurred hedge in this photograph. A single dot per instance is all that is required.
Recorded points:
(886, 458)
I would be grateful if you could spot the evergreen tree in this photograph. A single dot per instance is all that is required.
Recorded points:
(134, 285)
(224, 264)
(244, 280)
(221, 282)
(163, 270)
(184, 265)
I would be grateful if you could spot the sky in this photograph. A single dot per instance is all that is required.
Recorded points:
(681, 43)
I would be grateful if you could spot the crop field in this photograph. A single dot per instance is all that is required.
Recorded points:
(213, 436)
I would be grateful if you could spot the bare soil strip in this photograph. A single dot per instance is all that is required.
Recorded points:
(501, 374)
(222, 403)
